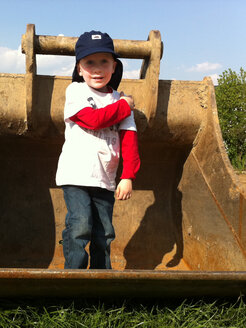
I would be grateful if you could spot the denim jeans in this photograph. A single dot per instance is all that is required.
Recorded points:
(89, 219)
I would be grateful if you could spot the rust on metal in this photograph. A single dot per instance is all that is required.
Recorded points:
(236, 236)
(30, 73)
(183, 233)
(150, 50)
(62, 45)
(96, 283)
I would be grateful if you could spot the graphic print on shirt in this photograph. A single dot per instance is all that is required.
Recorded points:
(92, 102)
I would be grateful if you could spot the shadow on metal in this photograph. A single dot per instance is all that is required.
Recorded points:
(183, 233)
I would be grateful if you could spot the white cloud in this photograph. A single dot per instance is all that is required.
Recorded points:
(55, 65)
(134, 74)
(125, 62)
(204, 67)
(214, 78)
(131, 68)
(11, 61)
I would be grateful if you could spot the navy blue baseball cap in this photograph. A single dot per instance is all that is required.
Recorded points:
(93, 42)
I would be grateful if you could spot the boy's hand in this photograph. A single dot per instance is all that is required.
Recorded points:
(124, 189)
(129, 100)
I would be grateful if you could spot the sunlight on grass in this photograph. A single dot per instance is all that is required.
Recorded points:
(186, 314)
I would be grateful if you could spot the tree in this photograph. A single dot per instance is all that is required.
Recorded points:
(231, 103)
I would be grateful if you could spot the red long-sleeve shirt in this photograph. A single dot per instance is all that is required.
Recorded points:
(96, 119)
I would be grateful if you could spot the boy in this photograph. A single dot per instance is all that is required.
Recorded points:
(98, 121)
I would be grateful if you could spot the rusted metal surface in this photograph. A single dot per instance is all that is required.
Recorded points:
(61, 45)
(151, 51)
(242, 178)
(64, 46)
(182, 233)
(104, 283)
(187, 201)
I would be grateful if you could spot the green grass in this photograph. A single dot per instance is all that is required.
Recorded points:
(187, 314)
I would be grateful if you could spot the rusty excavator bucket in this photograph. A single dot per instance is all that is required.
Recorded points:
(183, 233)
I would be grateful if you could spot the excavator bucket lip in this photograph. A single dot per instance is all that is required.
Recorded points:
(128, 283)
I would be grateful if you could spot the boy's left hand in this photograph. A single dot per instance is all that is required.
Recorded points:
(124, 189)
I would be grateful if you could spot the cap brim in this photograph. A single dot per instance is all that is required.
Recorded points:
(92, 51)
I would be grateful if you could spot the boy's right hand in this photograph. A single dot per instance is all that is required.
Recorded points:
(129, 100)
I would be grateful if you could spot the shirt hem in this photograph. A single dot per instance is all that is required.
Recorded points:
(99, 185)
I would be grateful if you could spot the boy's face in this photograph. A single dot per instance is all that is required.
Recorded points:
(97, 70)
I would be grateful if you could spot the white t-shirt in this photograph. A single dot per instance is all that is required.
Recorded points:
(90, 157)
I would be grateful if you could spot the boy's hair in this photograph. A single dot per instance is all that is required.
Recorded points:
(94, 42)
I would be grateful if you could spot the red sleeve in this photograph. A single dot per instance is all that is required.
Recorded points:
(100, 118)
(130, 155)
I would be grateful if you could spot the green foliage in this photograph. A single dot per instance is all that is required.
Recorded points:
(231, 103)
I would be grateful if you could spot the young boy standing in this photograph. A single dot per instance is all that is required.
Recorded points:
(99, 121)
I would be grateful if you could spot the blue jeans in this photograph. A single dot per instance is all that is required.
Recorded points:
(89, 218)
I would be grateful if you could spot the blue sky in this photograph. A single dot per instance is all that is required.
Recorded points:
(201, 37)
